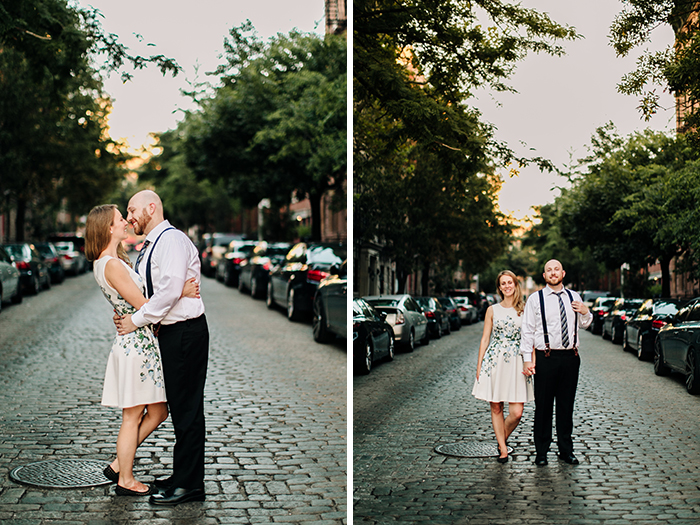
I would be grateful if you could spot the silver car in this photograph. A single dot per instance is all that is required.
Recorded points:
(10, 289)
(467, 311)
(71, 257)
(405, 317)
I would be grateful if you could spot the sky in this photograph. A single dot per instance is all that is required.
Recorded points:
(193, 34)
(561, 101)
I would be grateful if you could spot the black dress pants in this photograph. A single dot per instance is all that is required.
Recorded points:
(184, 349)
(556, 378)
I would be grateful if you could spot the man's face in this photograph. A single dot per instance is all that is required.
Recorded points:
(138, 217)
(553, 273)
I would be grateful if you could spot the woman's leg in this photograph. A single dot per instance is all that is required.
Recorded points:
(515, 412)
(127, 441)
(499, 428)
(156, 413)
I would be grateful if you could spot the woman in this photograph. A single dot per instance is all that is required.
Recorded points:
(499, 370)
(134, 377)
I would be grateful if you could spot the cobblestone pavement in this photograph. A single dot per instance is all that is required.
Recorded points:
(636, 435)
(275, 403)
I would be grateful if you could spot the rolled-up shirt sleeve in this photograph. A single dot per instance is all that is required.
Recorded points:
(527, 331)
(172, 267)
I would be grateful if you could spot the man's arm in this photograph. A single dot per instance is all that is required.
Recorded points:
(527, 330)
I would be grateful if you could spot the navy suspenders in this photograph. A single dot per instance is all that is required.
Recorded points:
(547, 349)
(149, 282)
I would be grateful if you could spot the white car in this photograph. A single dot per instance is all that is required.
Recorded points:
(10, 290)
(467, 311)
(405, 316)
(72, 259)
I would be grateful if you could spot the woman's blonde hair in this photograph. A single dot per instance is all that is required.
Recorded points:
(97, 234)
(518, 301)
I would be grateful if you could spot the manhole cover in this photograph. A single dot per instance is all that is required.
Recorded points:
(61, 474)
(470, 449)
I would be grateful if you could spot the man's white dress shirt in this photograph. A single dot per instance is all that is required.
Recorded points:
(532, 333)
(174, 261)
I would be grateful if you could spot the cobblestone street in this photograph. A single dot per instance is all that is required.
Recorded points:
(275, 403)
(635, 434)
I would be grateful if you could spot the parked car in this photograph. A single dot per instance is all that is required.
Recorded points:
(52, 260)
(643, 327)
(405, 316)
(330, 306)
(372, 336)
(34, 275)
(293, 282)
(476, 299)
(601, 306)
(10, 286)
(467, 311)
(212, 247)
(72, 259)
(588, 297)
(450, 306)
(677, 346)
(438, 320)
(614, 321)
(229, 264)
(255, 270)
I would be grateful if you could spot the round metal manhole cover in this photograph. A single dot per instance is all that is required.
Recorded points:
(470, 449)
(62, 474)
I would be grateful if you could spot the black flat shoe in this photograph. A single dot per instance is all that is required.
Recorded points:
(121, 491)
(175, 496)
(502, 460)
(569, 458)
(540, 461)
(110, 474)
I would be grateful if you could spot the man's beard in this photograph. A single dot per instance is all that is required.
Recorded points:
(550, 281)
(141, 223)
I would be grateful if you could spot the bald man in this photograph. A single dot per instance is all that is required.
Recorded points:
(167, 259)
(550, 325)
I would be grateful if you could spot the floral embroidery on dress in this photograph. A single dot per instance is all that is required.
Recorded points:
(505, 339)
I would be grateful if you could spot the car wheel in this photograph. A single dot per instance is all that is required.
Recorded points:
(366, 361)
(438, 331)
(318, 325)
(292, 306)
(615, 335)
(448, 330)
(660, 368)
(241, 285)
(625, 345)
(692, 382)
(34, 286)
(411, 344)
(47, 283)
(390, 350)
(270, 301)
(457, 326)
(604, 333)
(641, 354)
(426, 336)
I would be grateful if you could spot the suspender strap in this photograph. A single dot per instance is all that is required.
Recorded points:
(149, 282)
(571, 299)
(544, 325)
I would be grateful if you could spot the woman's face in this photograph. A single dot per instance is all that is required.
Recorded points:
(507, 285)
(119, 226)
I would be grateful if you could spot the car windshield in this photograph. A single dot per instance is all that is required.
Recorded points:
(605, 303)
(665, 308)
(326, 254)
(44, 249)
(383, 302)
(64, 246)
(15, 250)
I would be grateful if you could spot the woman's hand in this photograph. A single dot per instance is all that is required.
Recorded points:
(191, 289)
(478, 371)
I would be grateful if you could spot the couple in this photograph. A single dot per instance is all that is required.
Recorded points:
(161, 349)
(547, 324)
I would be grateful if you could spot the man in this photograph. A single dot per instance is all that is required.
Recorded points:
(167, 259)
(556, 359)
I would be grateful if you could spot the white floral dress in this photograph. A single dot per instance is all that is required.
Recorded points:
(501, 377)
(134, 371)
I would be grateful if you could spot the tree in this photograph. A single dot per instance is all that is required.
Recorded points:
(278, 125)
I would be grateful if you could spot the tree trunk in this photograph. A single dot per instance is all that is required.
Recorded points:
(401, 274)
(20, 220)
(665, 277)
(425, 280)
(315, 200)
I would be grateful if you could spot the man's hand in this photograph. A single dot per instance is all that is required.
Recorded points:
(579, 307)
(125, 325)
(529, 368)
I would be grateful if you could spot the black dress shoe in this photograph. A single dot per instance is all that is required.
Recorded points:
(175, 496)
(110, 474)
(569, 458)
(540, 461)
(164, 483)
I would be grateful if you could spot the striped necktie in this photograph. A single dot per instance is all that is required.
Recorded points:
(143, 251)
(564, 322)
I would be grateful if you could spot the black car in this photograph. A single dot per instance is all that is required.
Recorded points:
(643, 327)
(452, 309)
(677, 346)
(255, 270)
(372, 337)
(614, 321)
(438, 319)
(52, 260)
(229, 264)
(601, 306)
(330, 306)
(293, 282)
(33, 273)
(211, 249)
